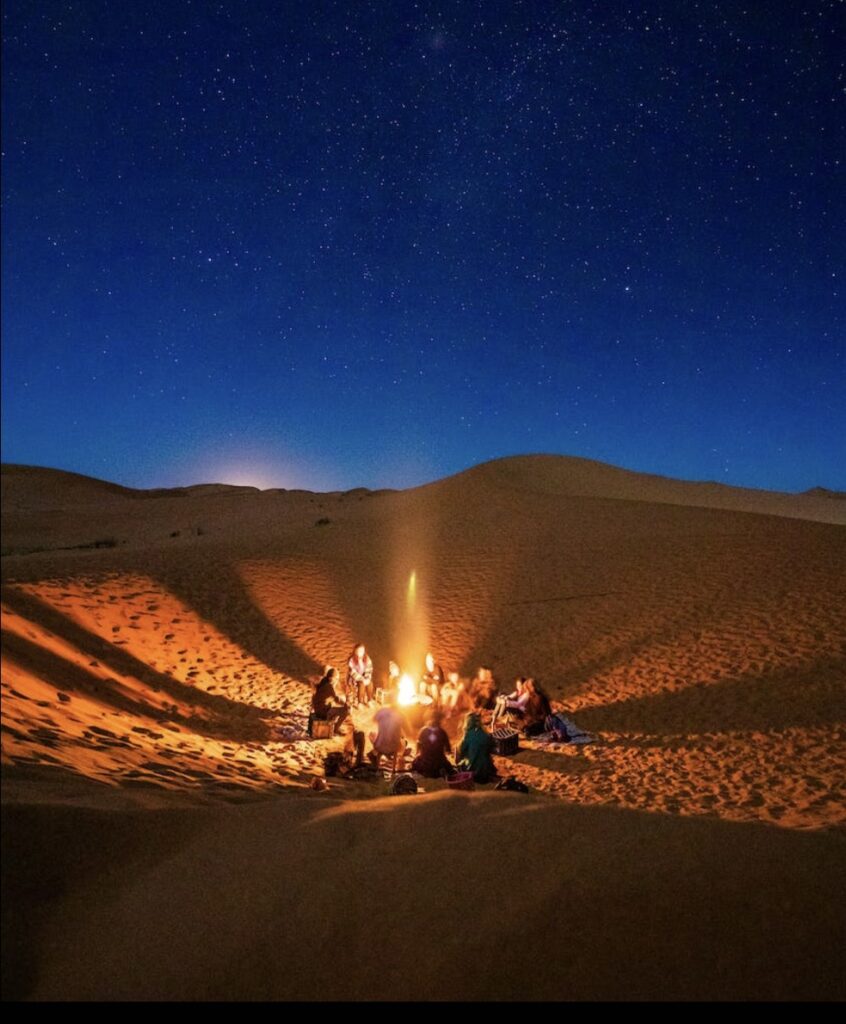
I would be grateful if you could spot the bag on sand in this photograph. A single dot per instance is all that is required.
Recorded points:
(553, 724)
(333, 763)
(566, 731)
(403, 785)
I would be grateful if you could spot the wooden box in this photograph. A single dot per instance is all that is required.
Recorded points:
(321, 729)
(506, 741)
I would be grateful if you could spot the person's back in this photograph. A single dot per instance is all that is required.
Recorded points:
(323, 697)
(388, 737)
(432, 748)
(476, 750)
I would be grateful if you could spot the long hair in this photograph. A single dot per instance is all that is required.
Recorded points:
(472, 722)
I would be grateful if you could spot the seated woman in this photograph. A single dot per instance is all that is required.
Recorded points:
(432, 748)
(515, 703)
(325, 705)
(474, 753)
(359, 677)
(536, 710)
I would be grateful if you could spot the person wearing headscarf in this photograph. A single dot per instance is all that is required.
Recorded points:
(476, 749)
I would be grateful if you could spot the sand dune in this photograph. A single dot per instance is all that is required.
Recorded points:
(314, 898)
(698, 630)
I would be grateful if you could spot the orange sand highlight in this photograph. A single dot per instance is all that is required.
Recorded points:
(699, 632)
(704, 648)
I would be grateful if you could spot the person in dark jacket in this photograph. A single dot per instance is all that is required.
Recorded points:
(325, 704)
(432, 748)
(476, 748)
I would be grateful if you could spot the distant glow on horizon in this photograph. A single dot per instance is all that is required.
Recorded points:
(247, 476)
(251, 466)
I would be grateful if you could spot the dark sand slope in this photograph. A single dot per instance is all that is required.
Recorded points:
(159, 835)
(303, 898)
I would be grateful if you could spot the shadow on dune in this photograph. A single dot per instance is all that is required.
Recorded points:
(46, 856)
(225, 603)
(63, 673)
(790, 698)
(623, 905)
(523, 599)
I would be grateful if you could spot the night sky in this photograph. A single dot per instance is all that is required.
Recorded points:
(372, 243)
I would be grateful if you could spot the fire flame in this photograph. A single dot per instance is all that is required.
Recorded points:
(407, 690)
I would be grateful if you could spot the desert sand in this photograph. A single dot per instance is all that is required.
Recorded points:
(160, 835)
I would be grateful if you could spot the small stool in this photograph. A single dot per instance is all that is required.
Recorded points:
(321, 728)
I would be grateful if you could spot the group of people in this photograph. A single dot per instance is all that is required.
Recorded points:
(527, 706)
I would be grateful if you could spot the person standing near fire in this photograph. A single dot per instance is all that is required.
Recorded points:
(359, 677)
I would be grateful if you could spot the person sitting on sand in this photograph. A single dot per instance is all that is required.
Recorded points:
(537, 709)
(392, 685)
(483, 689)
(432, 680)
(325, 705)
(474, 753)
(514, 704)
(359, 677)
(452, 694)
(432, 748)
(388, 739)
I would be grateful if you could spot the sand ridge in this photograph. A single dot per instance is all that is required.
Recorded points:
(704, 647)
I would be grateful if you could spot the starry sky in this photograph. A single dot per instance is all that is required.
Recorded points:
(331, 244)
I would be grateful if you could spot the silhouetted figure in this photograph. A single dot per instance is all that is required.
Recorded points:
(388, 739)
(325, 705)
(432, 748)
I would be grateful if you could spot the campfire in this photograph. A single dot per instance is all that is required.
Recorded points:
(407, 693)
